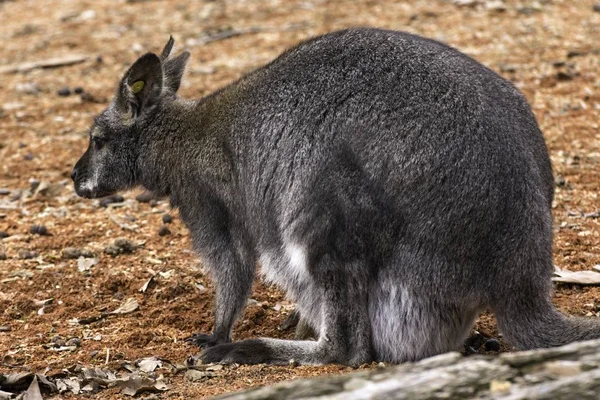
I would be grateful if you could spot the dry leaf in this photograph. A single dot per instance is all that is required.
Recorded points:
(86, 264)
(130, 305)
(149, 364)
(577, 277)
(145, 285)
(33, 392)
(6, 395)
(135, 384)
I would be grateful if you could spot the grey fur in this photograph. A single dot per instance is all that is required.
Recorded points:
(393, 186)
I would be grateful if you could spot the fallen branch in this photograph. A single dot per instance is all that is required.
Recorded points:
(568, 373)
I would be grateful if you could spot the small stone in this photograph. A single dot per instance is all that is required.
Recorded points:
(73, 253)
(193, 375)
(4, 191)
(78, 90)
(565, 76)
(63, 92)
(120, 246)
(596, 7)
(5, 328)
(28, 88)
(73, 342)
(167, 218)
(115, 198)
(2, 256)
(145, 197)
(3, 234)
(58, 341)
(492, 345)
(475, 341)
(125, 244)
(28, 156)
(38, 230)
(560, 181)
(27, 255)
(164, 231)
(33, 184)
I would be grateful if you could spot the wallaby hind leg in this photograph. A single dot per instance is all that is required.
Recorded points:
(345, 335)
(528, 319)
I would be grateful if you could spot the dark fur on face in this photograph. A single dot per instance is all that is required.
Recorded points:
(110, 162)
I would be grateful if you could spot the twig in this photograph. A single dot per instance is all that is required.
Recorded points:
(127, 227)
(47, 63)
(232, 32)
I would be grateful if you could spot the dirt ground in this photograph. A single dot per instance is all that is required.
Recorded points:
(550, 49)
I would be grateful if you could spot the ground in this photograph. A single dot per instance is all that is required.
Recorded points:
(548, 49)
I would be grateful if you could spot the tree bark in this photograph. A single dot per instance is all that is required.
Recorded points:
(570, 372)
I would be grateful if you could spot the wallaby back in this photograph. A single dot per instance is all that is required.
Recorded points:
(391, 185)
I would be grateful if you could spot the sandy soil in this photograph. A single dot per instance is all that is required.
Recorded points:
(549, 49)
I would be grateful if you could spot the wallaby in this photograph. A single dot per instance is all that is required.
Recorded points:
(391, 185)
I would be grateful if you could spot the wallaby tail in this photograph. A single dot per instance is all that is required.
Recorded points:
(530, 320)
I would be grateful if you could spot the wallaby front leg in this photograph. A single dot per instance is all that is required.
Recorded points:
(232, 275)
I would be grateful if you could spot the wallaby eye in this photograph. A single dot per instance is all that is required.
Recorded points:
(98, 142)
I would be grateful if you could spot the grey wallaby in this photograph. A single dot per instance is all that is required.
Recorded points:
(391, 185)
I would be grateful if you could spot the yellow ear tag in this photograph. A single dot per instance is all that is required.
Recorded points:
(137, 87)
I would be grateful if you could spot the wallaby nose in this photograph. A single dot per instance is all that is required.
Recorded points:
(74, 174)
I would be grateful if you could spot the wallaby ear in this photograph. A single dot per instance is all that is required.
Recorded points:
(142, 85)
(167, 50)
(173, 70)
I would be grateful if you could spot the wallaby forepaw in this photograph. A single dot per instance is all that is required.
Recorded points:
(202, 340)
(246, 352)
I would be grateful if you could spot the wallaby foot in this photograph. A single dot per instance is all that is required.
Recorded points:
(281, 352)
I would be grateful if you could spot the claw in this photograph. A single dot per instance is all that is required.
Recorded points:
(202, 340)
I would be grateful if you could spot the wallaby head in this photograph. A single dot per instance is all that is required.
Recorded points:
(109, 163)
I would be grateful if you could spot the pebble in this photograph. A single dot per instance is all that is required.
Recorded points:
(58, 341)
(120, 246)
(28, 88)
(78, 90)
(3, 234)
(65, 91)
(2, 256)
(145, 197)
(4, 191)
(27, 255)
(596, 7)
(475, 341)
(167, 218)
(74, 253)
(5, 328)
(492, 345)
(38, 230)
(33, 184)
(164, 231)
(115, 198)
(73, 342)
